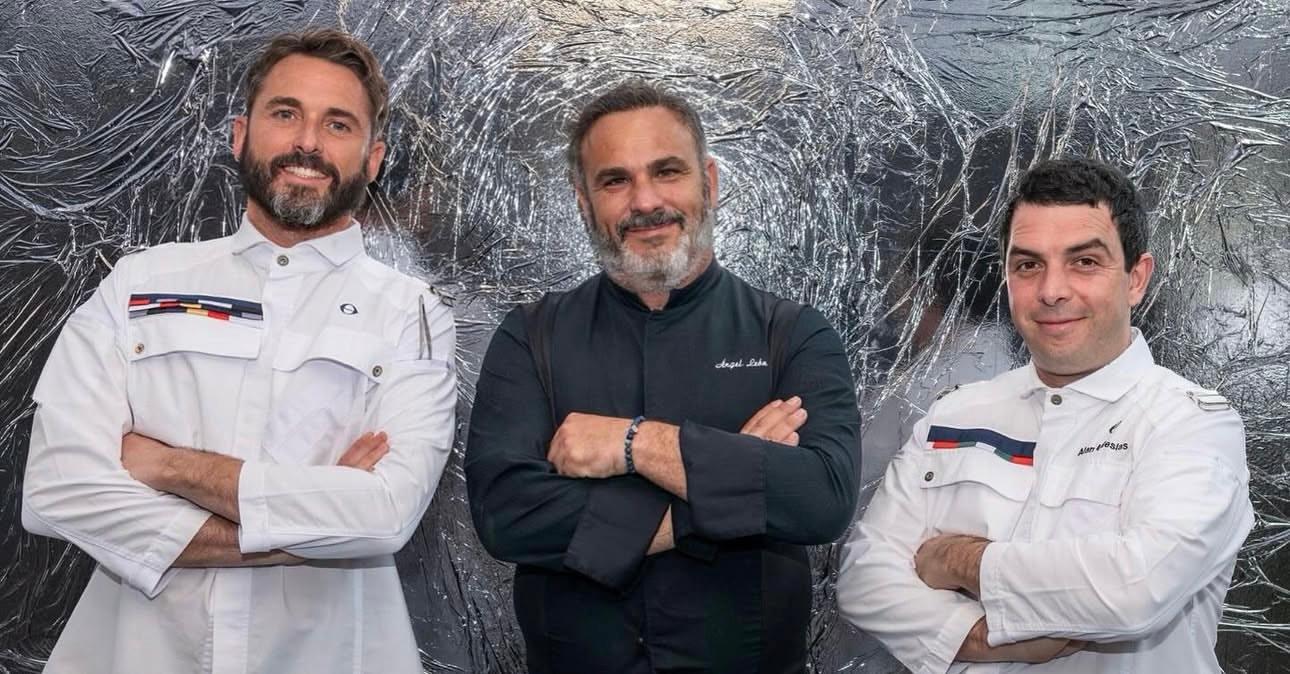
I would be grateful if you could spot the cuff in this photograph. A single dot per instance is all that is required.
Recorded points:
(153, 572)
(725, 476)
(253, 511)
(614, 532)
(943, 648)
(686, 540)
(993, 595)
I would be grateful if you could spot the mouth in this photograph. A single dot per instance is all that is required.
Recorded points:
(1057, 326)
(305, 173)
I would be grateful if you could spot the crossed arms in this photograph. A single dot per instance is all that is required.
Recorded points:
(532, 501)
(933, 597)
(204, 509)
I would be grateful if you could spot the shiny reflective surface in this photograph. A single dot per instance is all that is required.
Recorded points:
(865, 150)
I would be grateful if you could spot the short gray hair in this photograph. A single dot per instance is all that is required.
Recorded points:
(633, 95)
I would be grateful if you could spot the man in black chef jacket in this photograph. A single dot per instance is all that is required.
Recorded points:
(654, 448)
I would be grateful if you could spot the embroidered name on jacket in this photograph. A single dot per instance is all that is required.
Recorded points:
(210, 306)
(1004, 447)
(743, 362)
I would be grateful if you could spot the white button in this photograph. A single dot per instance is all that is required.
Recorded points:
(138, 348)
(283, 260)
(376, 371)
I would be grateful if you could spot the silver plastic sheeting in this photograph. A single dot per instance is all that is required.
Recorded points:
(865, 151)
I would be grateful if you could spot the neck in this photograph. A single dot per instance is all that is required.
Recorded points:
(287, 237)
(657, 301)
(1058, 380)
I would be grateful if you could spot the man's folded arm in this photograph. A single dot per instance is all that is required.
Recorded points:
(75, 487)
(1186, 513)
(878, 589)
(739, 485)
(526, 513)
(333, 512)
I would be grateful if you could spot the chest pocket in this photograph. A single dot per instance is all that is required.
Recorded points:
(321, 384)
(1082, 498)
(184, 373)
(972, 491)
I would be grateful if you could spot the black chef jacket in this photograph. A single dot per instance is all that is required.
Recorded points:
(735, 594)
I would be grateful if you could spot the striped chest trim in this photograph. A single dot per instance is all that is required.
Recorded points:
(210, 306)
(1006, 448)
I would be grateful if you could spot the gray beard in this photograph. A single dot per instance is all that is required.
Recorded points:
(661, 272)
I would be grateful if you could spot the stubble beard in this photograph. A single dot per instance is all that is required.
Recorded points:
(655, 271)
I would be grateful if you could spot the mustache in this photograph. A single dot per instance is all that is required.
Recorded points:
(655, 219)
(312, 162)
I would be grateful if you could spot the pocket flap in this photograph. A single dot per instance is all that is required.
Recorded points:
(945, 467)
(361, 352)
(1097, 482)
(169, 333)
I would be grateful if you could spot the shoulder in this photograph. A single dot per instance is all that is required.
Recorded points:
(1171, 402)
(1004, 388)
(168, 258)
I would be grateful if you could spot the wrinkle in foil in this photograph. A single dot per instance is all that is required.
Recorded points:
(866, 150)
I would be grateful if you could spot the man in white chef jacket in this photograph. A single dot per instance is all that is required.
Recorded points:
(1080, 514)
(242, 432)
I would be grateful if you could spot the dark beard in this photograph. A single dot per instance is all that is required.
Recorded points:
(296, 207)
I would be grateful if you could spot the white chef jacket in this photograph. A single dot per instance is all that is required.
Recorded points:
(1116, 504)
(341, 345)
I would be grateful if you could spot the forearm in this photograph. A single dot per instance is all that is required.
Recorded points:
(216, 545)
(656, 452)
(205, 479)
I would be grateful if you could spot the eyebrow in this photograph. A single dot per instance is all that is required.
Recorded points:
(622, 172)
(1091, 244)
(293, 102)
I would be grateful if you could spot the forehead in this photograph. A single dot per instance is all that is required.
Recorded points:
(312, 80)
(1054, 227)
(636, 137)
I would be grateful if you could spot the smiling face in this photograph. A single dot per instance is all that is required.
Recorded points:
(1068, 288)
(305, 149)
(647, 199)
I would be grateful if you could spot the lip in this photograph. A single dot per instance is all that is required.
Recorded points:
(1059, 326)
(645, 232)
(289, 173)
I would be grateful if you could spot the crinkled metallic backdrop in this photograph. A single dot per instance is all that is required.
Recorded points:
(864, 148)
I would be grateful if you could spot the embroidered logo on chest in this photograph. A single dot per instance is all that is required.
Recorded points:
(724, 364)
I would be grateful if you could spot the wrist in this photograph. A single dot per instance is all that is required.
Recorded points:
(628, 459)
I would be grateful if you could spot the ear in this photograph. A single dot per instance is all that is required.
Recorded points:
(1140, 277)
(374, 158)
(710, 174)
(584, 203)
(239, 136)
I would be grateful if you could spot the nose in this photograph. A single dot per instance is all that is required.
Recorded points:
(645, 198)
(1054, 286)
(306, 138)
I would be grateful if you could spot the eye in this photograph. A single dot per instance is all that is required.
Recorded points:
(1086, 262)
(1025, 266)
(283, 113)
(338, 126)
(613, 182)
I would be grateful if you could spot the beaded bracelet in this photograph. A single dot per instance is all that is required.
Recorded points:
(627, 444)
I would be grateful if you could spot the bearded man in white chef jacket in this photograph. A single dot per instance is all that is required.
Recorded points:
(1081, 514)
(242, 431)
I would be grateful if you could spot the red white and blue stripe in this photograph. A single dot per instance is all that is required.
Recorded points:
(1006, 448)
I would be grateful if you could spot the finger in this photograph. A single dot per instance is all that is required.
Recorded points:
(369, 460)
(772, 419)
(791, 440)
(356, 451)
(755, 419)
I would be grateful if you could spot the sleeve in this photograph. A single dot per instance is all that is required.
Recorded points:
(1184, 514)
(75, 487)
(525, 512)
(740, 485)
(878, 588)
(335, 512)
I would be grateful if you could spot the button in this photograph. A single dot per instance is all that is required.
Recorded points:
(283, 260)
(1056, 399)
(928, 477)
(138, 348)
(376, 371)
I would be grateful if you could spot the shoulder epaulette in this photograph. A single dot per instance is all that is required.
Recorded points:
(1209, 401)
(443, 296)
(946, 391)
